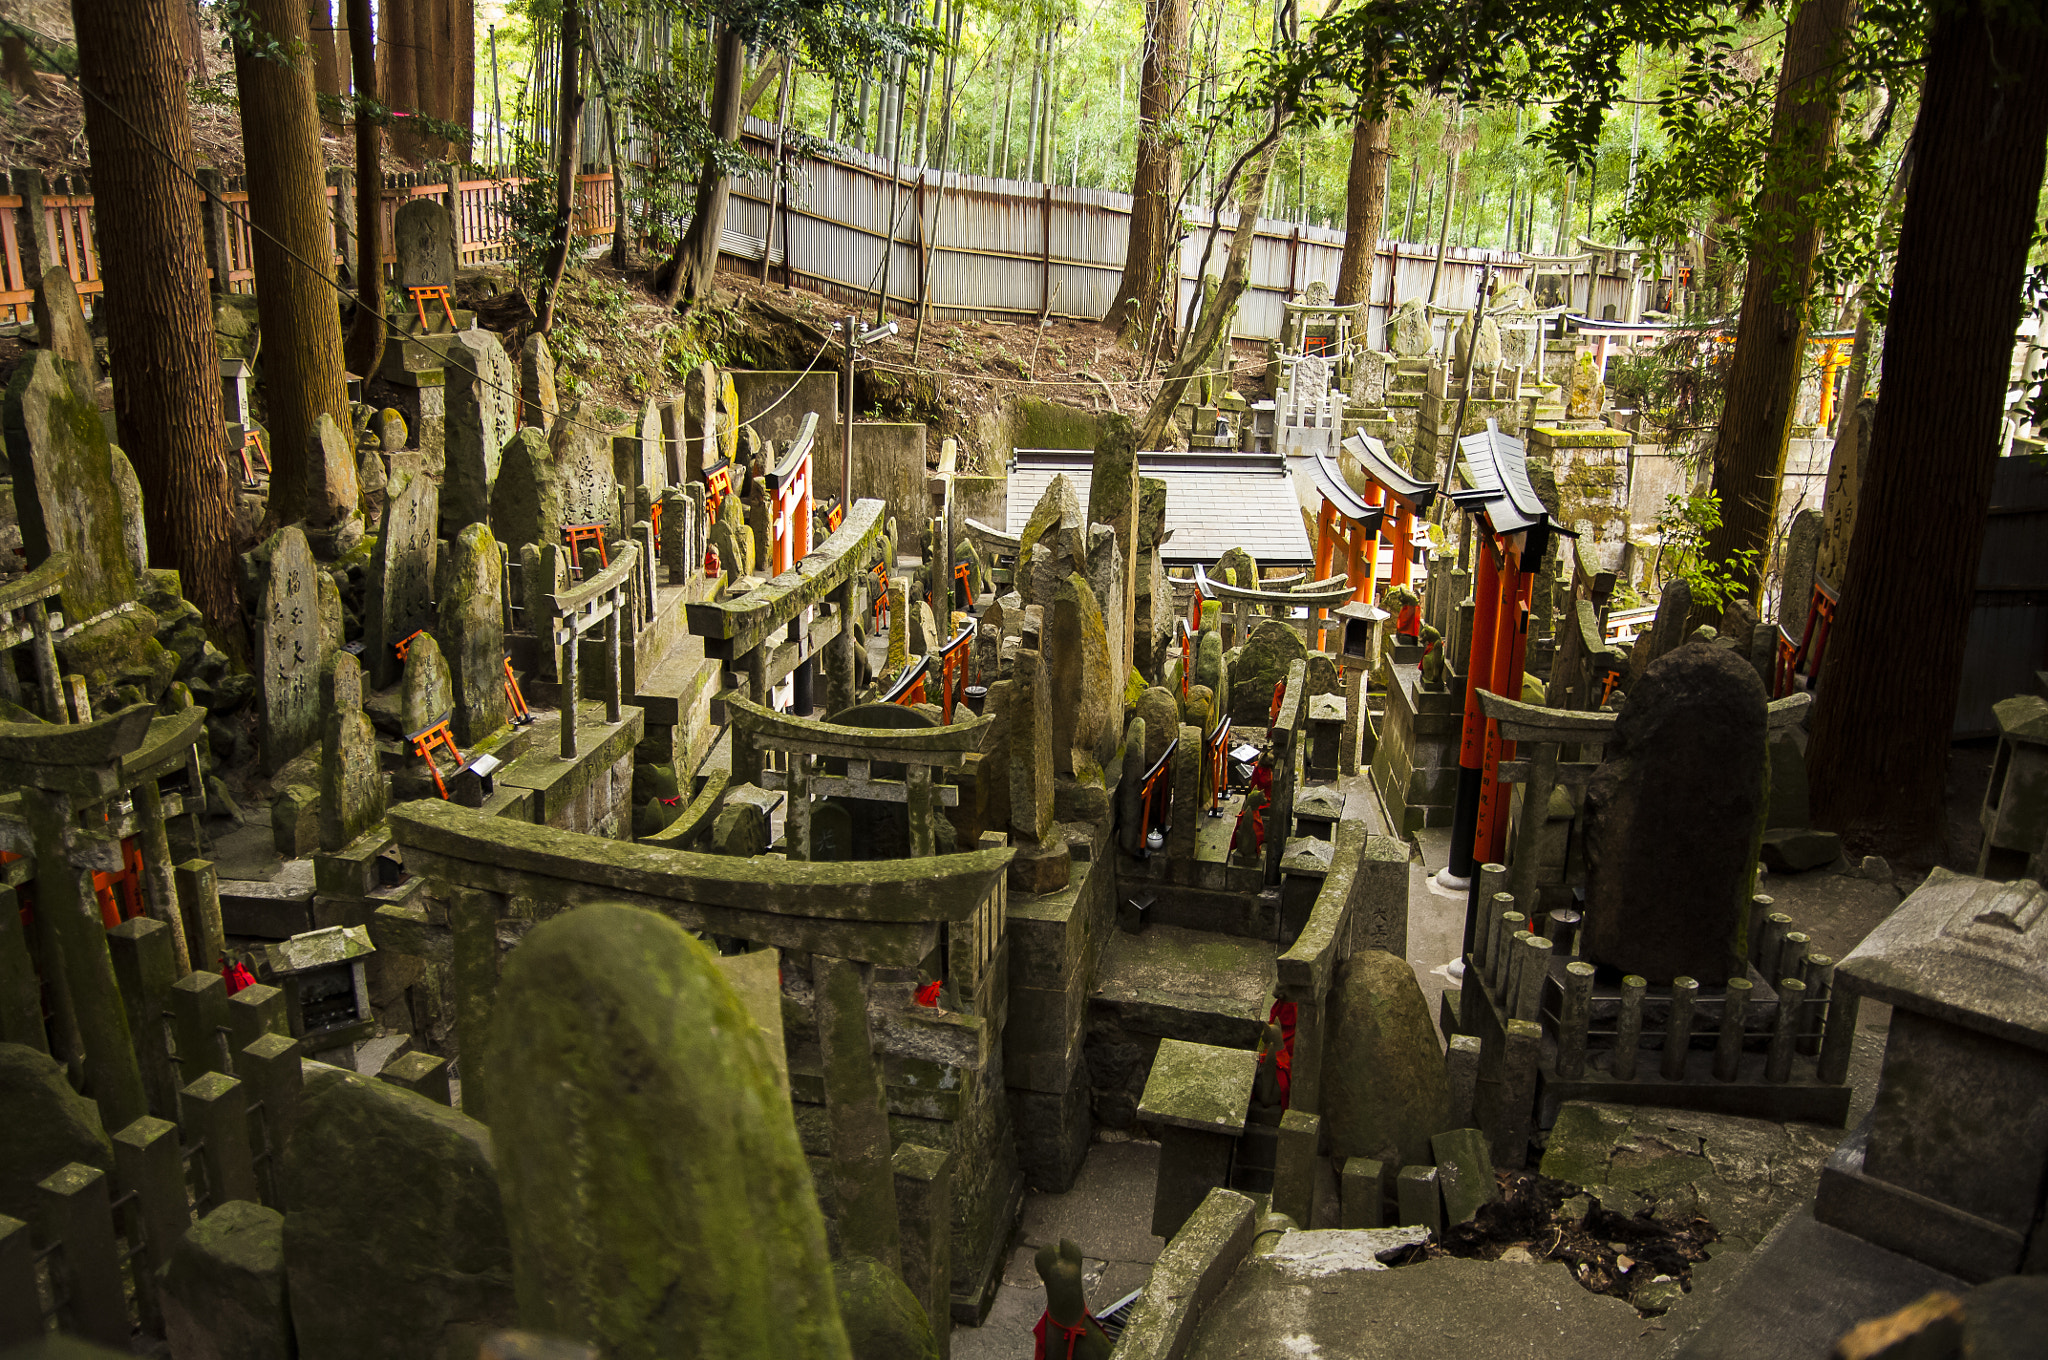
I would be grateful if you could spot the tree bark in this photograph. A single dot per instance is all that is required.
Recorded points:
(159, 314)
(397, 44)
(687, 276)
(292, 248)
(364, 348)
(462, 63)
(1209, 328)
(1894, 664)
(1770, 338)
(1365, 211)
(1143, 293)
(432, 76)
(567, 138)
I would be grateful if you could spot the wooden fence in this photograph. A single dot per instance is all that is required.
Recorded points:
(852, 226)
(70, 236)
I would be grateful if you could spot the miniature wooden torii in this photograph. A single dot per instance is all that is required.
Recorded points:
(1515, 530)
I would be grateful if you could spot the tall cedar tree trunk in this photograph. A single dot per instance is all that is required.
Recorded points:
(398, 45)
(159, 315)
(1155, 182)
(1894, 663)
(434, 75)
(292, 248)
(1365, 210)
(1208, 331)
(462, 37)
(364, 348)
(568, 136)
(1770, 338)
(687, 276)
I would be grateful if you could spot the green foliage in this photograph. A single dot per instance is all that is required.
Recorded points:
(1678, 387)
(1683, 528)
(527, 203)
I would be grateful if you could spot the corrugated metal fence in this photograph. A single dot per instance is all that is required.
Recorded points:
(981, 246)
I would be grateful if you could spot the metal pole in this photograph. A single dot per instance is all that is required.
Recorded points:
(846, 434)
(497, 115)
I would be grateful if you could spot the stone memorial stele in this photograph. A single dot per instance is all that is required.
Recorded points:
(289, 651)
(429, 694)
(394, 1233)
(526, 502)
(472, 619)
(1673, 814)
(399, 585)
(65, 498)
(352, 792)
(657, 1196)
(482, 395)
(537, 400)
(423, 238)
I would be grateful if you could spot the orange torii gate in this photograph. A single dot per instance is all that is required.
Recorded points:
(789, 492)
(1513, 532)
(1409, 499)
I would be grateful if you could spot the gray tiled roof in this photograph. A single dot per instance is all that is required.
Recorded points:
(1208, 510)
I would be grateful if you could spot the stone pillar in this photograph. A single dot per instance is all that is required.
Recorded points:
(857, 1114)
(473, 919)
(214, 214)
(924, 1200)
(69, 910)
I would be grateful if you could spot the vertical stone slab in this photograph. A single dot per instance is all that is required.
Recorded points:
(473, 622)
(1079, 663)
(374, 1266)
(352, 789)
(61, 322)
(1111, 585)
(1795, 590)
(526, 502)
(583, 470)
(400, 583)
(537, 401)
(423, 237)
(64, 494)
(1680, 784)
(1113, 500)
(924, 1198)
(330, 470)
(857, 1114)
(658, 1199)
(481, 394)
(1031, 748)
(134, 533)
(1668, 630)
(429, 693)
(289, 652)
(1187, 796)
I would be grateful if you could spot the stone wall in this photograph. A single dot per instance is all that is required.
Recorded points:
(777, 416)
(888, 465)
(1415, 762)
(1056, 941)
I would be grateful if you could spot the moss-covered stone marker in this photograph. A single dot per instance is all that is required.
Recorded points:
(658, 1200)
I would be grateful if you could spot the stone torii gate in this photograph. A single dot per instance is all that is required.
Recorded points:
(1315, 596)
(848, 919)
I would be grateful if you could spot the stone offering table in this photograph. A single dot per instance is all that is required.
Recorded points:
(1198, 1095)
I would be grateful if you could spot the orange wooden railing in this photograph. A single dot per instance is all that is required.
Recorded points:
(68, 219)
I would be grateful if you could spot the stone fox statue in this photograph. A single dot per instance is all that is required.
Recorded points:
(1066, 1331)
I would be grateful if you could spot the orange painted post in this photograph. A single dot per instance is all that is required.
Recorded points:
(1518, 641)
(1326, 520)
(1472, 741)
(1373, 496)
(1404, 529)
(1356, 558)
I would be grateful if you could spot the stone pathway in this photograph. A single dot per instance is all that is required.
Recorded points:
(1107, 1215)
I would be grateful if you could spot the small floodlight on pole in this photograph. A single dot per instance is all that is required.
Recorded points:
(855, 336)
